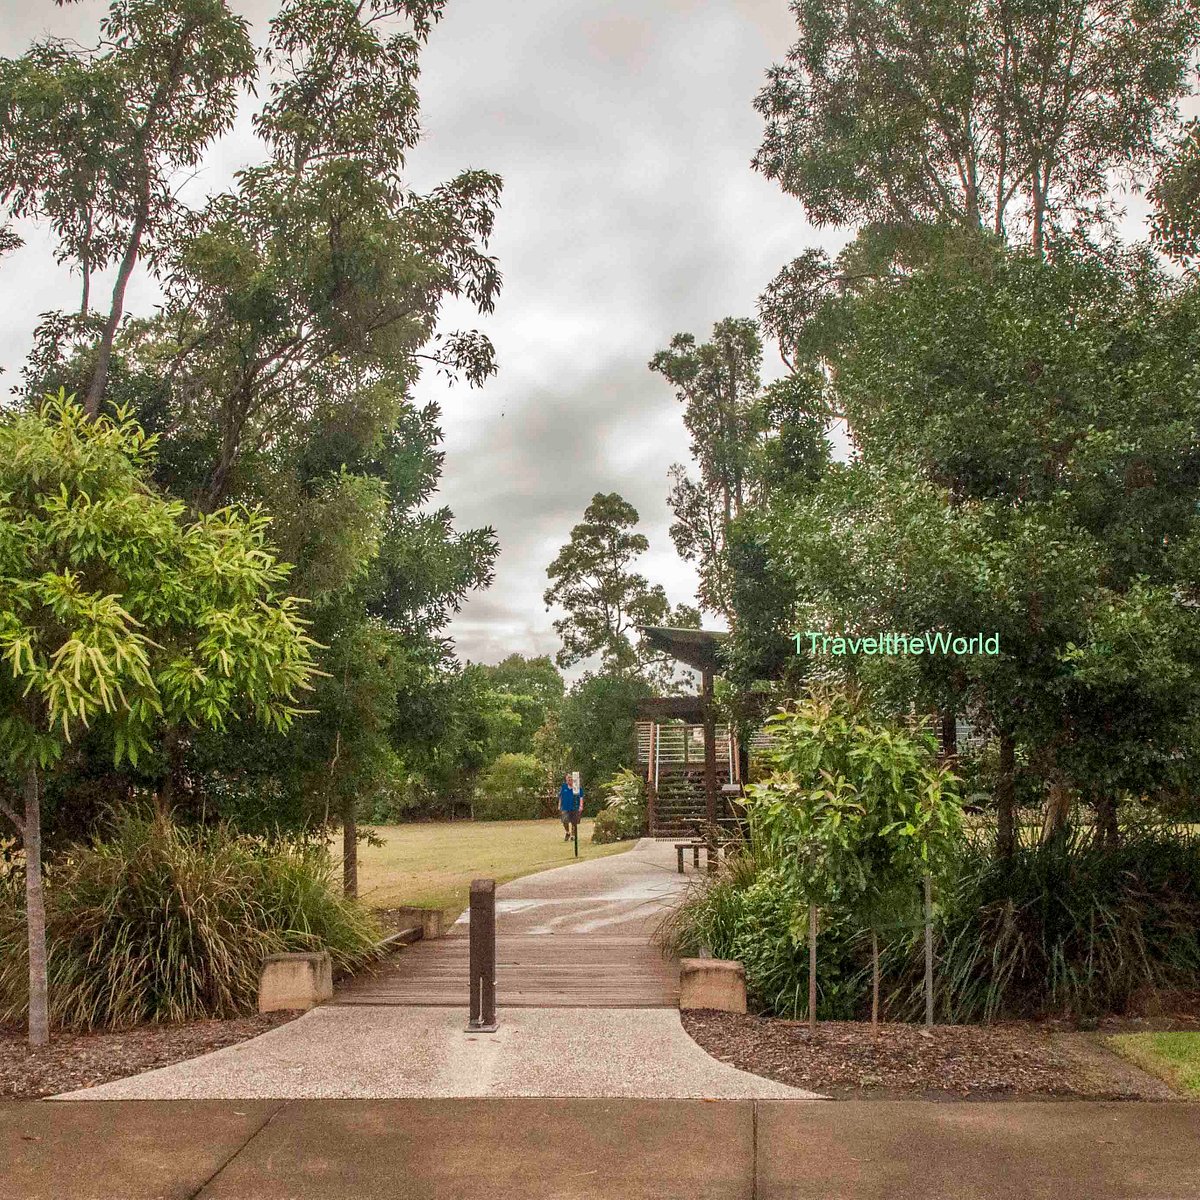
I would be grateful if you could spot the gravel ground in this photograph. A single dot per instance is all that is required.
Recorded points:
(83, 1060)
(844, 1060)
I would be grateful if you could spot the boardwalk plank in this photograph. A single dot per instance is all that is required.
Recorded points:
(532, 971)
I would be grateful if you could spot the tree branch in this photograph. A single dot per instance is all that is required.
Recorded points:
(12, 816)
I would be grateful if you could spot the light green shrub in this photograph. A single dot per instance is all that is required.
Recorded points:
(624, 815)
(513, 788)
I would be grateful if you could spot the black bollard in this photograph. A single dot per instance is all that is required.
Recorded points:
(483, 956)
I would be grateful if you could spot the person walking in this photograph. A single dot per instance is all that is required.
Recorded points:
(570, 806)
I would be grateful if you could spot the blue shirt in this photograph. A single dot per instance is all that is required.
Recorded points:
(568, 798)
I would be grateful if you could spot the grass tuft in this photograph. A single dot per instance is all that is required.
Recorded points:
(1173, 1057)
(161, 922)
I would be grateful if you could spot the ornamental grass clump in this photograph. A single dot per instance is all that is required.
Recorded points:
(162, 922)
(1071, 927)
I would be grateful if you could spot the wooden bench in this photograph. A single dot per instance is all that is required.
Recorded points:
(695, 846)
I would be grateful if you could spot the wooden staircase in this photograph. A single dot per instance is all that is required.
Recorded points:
(679, 807)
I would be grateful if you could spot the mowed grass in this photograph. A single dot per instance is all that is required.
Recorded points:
(431, 865)
(1174, 1057)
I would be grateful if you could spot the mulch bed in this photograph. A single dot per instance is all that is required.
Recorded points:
(949, 1062)
(73, 1061)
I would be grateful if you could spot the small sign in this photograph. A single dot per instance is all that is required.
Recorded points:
(575, 782)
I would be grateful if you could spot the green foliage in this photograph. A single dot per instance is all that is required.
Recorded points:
(1069, 927)
(596, 726)
(116, 608)
(299, 306)
(859, 809)
(605, 599)
(550, 750)
(624, 813)
(748, 913)
(1175, 226)
(1025, 466)
(513, 788)
(921, 125)
(519, 694)
(158, 922)
(94, 140)
(853, 816)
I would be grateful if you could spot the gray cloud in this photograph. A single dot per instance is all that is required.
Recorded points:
(630, 213)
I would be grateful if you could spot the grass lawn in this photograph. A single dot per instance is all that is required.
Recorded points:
(432, 865)
(1174, 1057)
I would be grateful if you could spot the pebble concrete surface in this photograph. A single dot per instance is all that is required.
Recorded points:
(389, 1052)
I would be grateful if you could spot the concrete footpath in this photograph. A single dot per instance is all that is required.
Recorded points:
(577, 938)
(582, 1149)
(373, 1053)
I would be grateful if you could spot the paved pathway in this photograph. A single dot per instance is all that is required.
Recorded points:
(587, 1007)
(343, 1052)
(599, 1150)
(576, 936)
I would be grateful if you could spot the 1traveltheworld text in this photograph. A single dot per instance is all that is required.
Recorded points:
(931, 642)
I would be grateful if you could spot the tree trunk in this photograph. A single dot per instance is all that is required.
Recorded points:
(949, 735)
(1058, 810)
(928, 951)
(1107, 829)
(35, 913)
(1006, 840)
(710, 765)
(1038, 198)
(874, 983)
(350, 850)
(812, 967)
(95, 392)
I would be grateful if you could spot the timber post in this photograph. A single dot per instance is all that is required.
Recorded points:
(482, 967)
(710, 764)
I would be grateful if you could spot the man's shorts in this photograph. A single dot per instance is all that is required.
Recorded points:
(570, 816)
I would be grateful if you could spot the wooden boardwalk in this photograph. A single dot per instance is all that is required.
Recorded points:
(532, 971)
(578, 936)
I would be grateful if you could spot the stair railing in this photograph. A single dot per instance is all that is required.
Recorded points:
(657, 754)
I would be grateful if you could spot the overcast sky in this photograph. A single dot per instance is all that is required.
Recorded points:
(624, 134)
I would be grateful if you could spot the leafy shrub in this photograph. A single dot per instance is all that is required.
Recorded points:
(159, 922)
(1071, 926)
(754, 911)
(851, 819)
(857, 806)
(624, 816)
(1068, 928)
(513, 788)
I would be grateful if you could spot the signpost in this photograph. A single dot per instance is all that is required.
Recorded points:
(577, 788)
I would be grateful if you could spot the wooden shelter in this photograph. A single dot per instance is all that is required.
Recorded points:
(680, 744)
